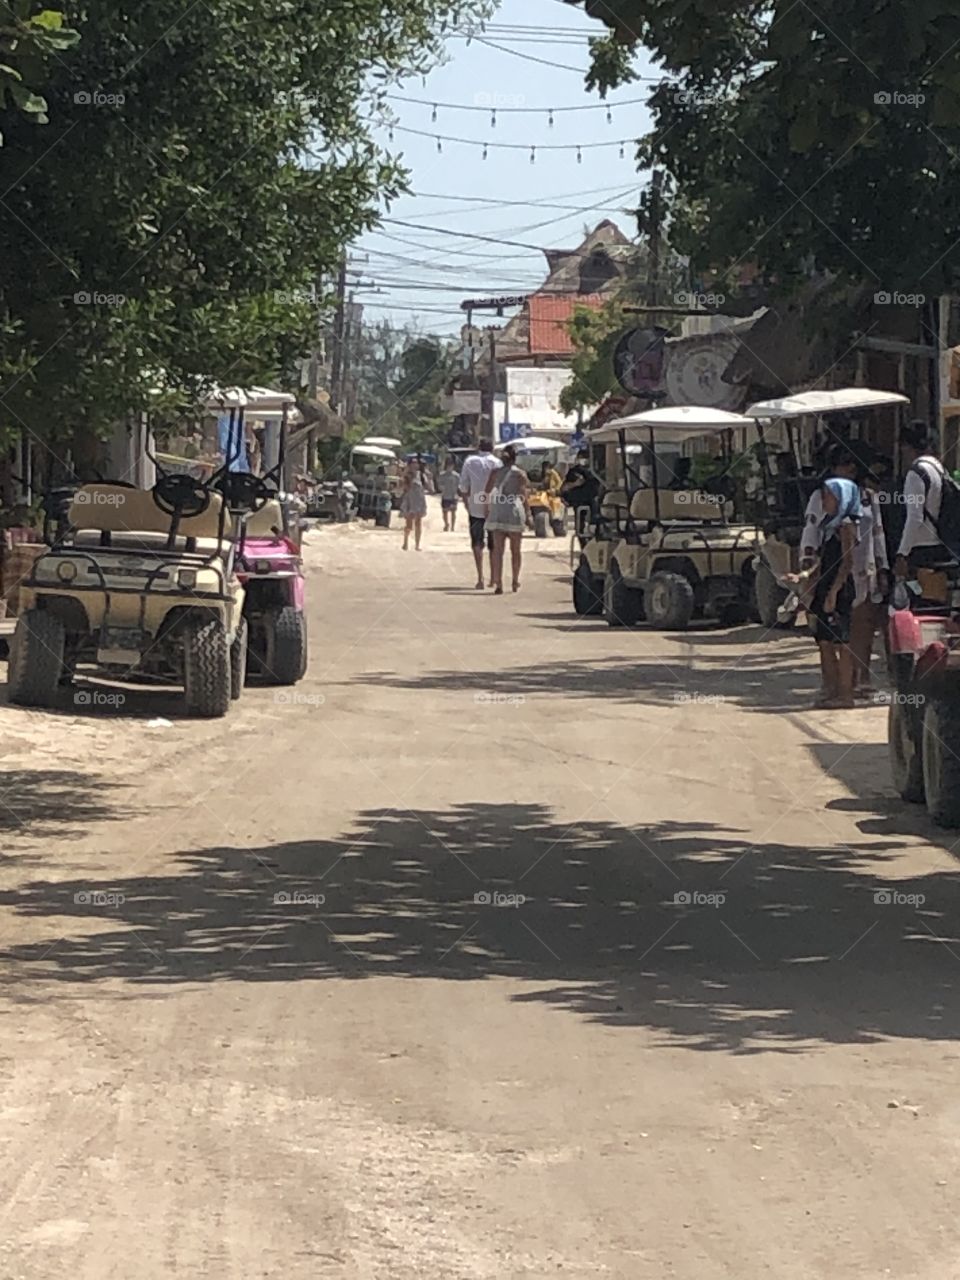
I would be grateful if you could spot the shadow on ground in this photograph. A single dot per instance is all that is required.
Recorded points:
(620, 926)
(54, 803)
(772, 679)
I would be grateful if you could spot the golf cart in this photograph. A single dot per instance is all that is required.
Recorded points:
(546, 509)
(789, 482)
(269, 565)
(375, 494)
(923, 722)
(140, 586)
(674, 554)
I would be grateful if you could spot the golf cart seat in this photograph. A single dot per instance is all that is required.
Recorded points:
(267, 522)
(132, 515)
(676, 504)
(614, 505)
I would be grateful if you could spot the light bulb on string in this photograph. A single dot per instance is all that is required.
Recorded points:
(434, 116)
(390, 134)
(439, 145)
(622, 152)
(493, 118)
(550, 118)
(609, 116)
(485, 151)
(533, 155)
(579, 156)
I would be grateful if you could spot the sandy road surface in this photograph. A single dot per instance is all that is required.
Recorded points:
(405, 1080)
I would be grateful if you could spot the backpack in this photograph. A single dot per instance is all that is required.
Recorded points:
(947, 525)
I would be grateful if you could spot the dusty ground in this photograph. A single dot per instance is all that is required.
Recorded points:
(403, 1080)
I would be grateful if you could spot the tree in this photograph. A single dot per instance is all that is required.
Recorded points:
(202, 166)
(402, 374)
(28, 40)
(804, 138)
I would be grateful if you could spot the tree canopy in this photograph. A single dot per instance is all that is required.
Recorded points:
(201, 167)
(801, 137)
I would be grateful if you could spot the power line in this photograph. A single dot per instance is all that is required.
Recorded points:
(470, 235)
(544, 62)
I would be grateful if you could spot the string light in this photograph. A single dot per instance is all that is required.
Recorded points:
(577, 147)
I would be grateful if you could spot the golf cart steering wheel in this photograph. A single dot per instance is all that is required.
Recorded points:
(179, 495)
(244, 491)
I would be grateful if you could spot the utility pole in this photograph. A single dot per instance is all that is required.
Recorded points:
(492, 382)
(655, 220)
(339, 331)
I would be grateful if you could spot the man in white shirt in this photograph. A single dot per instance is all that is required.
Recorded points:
(473, 490)
(922, 497)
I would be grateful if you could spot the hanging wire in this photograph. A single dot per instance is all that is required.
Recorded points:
(464, 106)
(513, 146)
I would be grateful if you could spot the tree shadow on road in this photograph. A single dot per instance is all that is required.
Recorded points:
(51, 803)
(684, 928)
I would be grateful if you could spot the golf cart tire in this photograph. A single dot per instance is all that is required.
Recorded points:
(669, 602)
(905, 745)
(206, 667)
(36, 659)
(559, 527)
(238, 660)
(287, 654)
(941, 760)
(587, 597)
(541, 524)
(622, 605)
(770, 596)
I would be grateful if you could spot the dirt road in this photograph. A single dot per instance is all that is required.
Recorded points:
(506, 945)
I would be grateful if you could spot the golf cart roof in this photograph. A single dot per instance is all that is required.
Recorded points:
(844, 399)
(677, 423)
(374, 451)
(259, 400)
(531, 444)
(385, 442)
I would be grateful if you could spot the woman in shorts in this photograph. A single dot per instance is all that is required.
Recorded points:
(449, 485)
(413, 505)
(507, 490)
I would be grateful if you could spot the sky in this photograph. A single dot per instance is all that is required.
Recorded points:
(422, 272)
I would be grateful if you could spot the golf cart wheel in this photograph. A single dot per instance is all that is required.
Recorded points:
(238, 660)
(541, 524)
(587, 598)
(622, 605)
(669, 602)
(286, 657)
(36, 659)
(206, 666)
(770, 596)
(941, 760)
(559, 527)
(904, 742)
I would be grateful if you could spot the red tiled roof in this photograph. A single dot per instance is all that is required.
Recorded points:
(549, 316)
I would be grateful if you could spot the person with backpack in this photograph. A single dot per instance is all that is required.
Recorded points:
(931, 500)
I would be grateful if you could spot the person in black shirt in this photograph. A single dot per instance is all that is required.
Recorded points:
(581, 489)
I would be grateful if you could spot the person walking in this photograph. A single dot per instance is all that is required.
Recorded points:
(473, 490)
(413, 505)
(449, 486)
(870, 569)
(920, 544)
(507, 490)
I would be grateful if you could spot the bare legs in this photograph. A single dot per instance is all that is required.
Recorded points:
(496, 560)
(836, 673)
(414, 525)
(515, 554)
(863, 624)
(478, 561)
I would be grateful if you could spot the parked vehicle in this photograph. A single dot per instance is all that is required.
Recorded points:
(140, 585)
(659, 554)
(789, 482)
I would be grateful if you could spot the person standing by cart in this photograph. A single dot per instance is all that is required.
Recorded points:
(830, 536)
(449, 486)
